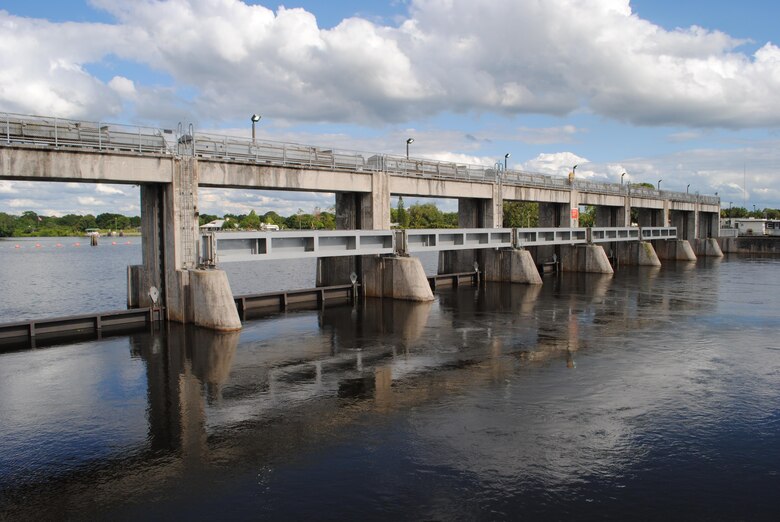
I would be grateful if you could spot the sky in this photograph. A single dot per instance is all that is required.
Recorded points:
(684, 92)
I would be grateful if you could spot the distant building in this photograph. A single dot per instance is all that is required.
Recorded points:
(214, 226)
(747, 226)
(268, 226)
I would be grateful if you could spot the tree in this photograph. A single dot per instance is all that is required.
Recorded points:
(204, 219)
(7, 224)
(251, 221)
(521, 214)
(588, 218)
(401, 216)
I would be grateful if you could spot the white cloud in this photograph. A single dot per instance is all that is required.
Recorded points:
(7, 187)
(89, 201)
(507, 56)
(101, 188)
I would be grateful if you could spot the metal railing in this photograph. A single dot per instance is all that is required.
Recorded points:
(100, 136)
(649, 233)
(86, 135)
(226, 247)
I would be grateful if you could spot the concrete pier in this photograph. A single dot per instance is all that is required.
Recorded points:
(585, 258)
(707, 247)
(675, 250)
(396, 278)
(640, 253)
(510, 266)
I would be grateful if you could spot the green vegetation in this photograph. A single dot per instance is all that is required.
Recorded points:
(742, 212)
(422, 215)
(30, 224)
(521, 214)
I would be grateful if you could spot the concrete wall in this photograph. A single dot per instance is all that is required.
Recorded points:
(750, 245)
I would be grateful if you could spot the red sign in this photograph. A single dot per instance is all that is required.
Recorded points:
(575, 213)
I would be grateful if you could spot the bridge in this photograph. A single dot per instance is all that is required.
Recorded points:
(170, 165)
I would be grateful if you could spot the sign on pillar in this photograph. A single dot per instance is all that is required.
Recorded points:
(575, 217)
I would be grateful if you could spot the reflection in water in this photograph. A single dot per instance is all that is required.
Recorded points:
(589, 396)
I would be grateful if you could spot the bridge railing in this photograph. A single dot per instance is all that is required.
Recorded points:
(225, 247)
(86, 135)
(527, 237)
(99, 136)
(611, 234)
(426, 240)
(649, 233)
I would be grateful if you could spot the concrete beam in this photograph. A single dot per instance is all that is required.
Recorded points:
(50, 164)
(219, 174)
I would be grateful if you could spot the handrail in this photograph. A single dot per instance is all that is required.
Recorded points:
(101, 136)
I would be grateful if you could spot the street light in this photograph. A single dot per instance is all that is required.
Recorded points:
(621, 178)
(255, 118)
(686, 188)
(408, 142)
(730, 208)
(659, 184)
(506, 157)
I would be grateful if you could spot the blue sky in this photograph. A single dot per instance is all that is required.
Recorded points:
(679, 91)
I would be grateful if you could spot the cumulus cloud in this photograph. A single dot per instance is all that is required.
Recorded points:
(511, 56)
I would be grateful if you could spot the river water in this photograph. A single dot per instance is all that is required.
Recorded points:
(651, 394)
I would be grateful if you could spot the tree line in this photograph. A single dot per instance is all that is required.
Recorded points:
(419, 215)
(31, 224)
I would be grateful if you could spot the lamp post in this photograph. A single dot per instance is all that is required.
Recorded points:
(621, 178)
(686, 188)
(408, 142)
(255, 118)
(506, 157)
(659, 184)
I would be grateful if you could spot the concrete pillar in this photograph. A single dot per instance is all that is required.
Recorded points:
(170, 236)
(708, 225)
(212, 301)
(356, 211)
(510, 266)
(585, 258)
(637, 253)
(472, 213)
(707, 247)
(610, 216)
(674, 250)
(651, 217)
(685, 222)
(553, 215)
(396, 278)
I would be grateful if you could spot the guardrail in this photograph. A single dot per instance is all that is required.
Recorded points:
(426, 240)
(527, 237)
(86, 135)
(227, 247)
(650, 233)
(99, 136)
(611, 234)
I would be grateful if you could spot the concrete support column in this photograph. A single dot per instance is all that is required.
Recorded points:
(651, 217)
(637, 253)
(674, 250)
(396, 278)
(472, 213)
(356, 211)
(610, 216)
(708, 224)
(585, 258)
(685, 222)
(708, 247)
(510, 266)
(169, 222)
(574, 203)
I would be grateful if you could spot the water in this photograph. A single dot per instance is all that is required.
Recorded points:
(652, 394)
